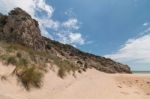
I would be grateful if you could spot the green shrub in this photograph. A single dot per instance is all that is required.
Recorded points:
(30, 77)
(19, 55)
(3, 57)
(64, 67)
(3, 78)
(12, 60)
(22, 62)
(61, 73)
(10, 48)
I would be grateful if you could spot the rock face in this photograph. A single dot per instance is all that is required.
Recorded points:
(19, 27)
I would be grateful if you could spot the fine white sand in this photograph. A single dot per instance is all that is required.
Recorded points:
(88, 85)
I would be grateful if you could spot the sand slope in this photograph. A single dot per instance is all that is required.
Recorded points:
(88, 85)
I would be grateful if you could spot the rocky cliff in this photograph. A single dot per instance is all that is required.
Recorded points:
(19, 27)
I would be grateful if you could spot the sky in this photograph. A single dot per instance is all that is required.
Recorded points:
(117, 29)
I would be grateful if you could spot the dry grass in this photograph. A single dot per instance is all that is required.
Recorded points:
(3, 77)
(27, 62)
(30, 77)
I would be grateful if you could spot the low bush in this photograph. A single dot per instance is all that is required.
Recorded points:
(19, 55)
(22, 62)
(61, 73)
(30, 77)
(3, 77)
(64, 67)
(11, 60)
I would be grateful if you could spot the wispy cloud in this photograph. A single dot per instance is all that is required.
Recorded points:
(145, 24)
(66, 29)
(73, 38)
(135, 51)
(42, 6)
(27, 5)
(70, 13)
(76, 38)
(32, 7)
(71, 23)
(68, 32)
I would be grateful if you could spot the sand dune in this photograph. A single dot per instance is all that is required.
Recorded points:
(88, 85)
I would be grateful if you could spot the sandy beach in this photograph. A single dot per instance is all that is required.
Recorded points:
(87, 85)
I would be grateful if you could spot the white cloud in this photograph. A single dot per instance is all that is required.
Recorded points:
(70, 13)
(68, 34)
(45, 19)
(41, 5)
(72, 23)
(49, 23)
(145, 24)
(7, 5)
(135, 52)
(30, 6)
(134, 49)
(76, 38)
(71, 38)
(45, 32)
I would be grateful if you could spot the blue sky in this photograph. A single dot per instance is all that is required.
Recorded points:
(118, 29)
(107, 23)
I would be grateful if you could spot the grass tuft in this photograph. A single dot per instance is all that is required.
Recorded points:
(31, 77)
(23, 62)
(61, 73)
(3, 77)
(11, 60)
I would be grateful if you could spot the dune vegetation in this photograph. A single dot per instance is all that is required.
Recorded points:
(30, 65)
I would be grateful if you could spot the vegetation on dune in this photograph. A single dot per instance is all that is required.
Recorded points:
(11, 60)
(3, 77)
(30, 77)
(31, 64)
(66, 67)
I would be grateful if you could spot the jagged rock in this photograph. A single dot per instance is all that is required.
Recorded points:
(19, 27)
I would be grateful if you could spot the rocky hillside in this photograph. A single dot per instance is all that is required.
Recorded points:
(19, 28)
(86, 60)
